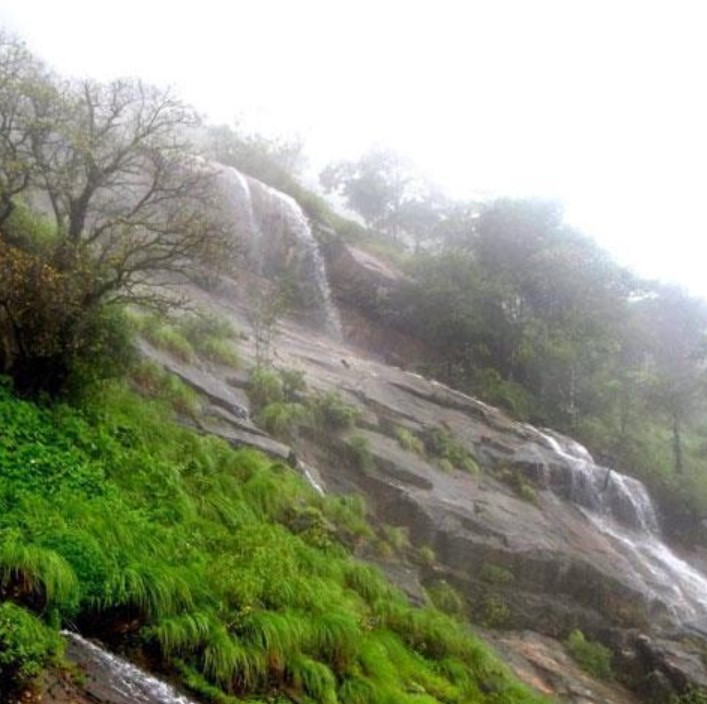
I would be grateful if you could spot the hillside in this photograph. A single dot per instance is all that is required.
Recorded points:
(253, 451)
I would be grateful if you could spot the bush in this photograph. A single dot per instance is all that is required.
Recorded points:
(492, 611)
(333, 413)
(442, 445)
(155, 381)
(592, 657)
(447, 599)
(265, 387)
(282, 419)
(26, 647)
(495, 574)
(693, 695)
(409, 441)
(359, 453)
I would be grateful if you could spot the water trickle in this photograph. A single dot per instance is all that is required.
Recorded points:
(621, 508)
(279, 237)
(600, 489)
(118, 680)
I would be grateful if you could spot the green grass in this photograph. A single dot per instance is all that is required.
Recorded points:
(283, 407)
(409, 441)
(190, 336)
(592, 657)
(238, 575)
(449, 452)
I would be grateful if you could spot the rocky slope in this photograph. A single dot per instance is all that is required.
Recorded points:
(539, 540)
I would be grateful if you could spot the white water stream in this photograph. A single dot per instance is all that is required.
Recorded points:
(120, 679)
(621, 509)
(266, 217)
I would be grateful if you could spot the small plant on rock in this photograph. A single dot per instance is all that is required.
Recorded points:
(592, 657)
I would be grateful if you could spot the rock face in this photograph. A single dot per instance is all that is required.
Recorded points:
(578, 545)
(364, 289)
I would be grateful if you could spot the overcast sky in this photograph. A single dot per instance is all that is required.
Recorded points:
(601, 104)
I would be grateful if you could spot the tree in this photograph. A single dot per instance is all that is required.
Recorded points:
(384, 190)
(20, 80)
(125, 188)
(135, 210)
(675, 326)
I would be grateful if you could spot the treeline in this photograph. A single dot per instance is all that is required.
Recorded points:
(523, 310)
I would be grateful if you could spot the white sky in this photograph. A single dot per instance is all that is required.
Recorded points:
(602, 104)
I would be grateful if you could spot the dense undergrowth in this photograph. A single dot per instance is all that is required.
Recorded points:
(227, 567)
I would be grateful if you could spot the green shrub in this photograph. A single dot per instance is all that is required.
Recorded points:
(492, 611)
(282, 419)
(592, 657)
(426, 555)
(495, 574)
(155, 381)
(226, 562)
(693, 695)
(293, 383)
(443, 446)
(27, 646)
(397, 536)
(409, 441)
(359, 453)
(265, 387)
(169, 338)
(522, 488)
(333, 413)
(446, 599)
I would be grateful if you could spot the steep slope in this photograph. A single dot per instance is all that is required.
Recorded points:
(577, 545)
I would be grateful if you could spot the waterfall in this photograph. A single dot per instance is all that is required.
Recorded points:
(117, 680)
(279, 238)
(621, 509)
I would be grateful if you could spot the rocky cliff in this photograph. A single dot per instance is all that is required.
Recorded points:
(537, 537)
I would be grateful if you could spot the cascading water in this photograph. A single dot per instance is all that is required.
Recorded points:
(279, 237)
(621, 509)
(116, 680)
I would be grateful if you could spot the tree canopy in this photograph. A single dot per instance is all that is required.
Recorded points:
(127, 205)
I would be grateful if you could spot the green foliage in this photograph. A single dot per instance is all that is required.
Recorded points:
(237, 572)
(694, 695)
(153, 380)
(190, 336)
(518, 481)
(265, 386)
(397, 537)
(359, 453)
(212, 337)
(332, 412)
(447, 599)
(491, 611)
(283, 419)
(443, 446)
(426, 555)
(495, 574)
(27, 646)
(592, 657)
(409, 441)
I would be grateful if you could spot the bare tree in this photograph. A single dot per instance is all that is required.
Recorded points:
(135, 210)
(19, 79)
(126, 189)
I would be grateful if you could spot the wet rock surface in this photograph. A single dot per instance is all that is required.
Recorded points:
(570, 565)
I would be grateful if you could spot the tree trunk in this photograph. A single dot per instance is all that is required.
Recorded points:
(677, 444)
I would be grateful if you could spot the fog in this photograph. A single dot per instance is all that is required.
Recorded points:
(598, 104)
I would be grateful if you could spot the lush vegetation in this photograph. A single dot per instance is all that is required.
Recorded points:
(229, 567)
(524, 311)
